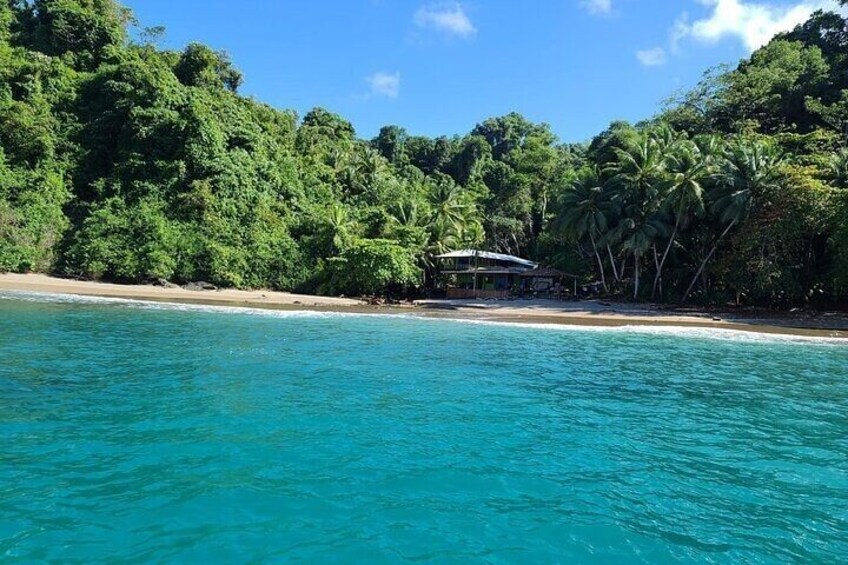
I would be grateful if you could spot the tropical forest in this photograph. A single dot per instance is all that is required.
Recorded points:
(123, 161)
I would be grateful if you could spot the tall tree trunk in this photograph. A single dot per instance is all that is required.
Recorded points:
(707, 258)
(636, 276)
(600, 262)
(658, 277)
(612, 262)
(544, 212)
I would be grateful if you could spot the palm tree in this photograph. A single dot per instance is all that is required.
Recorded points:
(585, 209)
(340, 226)
(665, 138)
(839, 168)
(449, 220)
(748, 170)
(450, 211)
(637, 174)
(410, 220)
(638, 235)
(688, 165)
(406, 214)
(454, 220)
(609, 241)
(360, 169)
(638, 166)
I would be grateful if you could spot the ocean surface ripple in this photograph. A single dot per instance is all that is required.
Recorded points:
(138, 434)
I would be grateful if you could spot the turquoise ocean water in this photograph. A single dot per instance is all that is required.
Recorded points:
(140, 433)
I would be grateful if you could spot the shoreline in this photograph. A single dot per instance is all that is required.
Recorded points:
(590, 313)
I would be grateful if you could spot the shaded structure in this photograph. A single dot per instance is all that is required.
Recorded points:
(547, 280)
(482, 274)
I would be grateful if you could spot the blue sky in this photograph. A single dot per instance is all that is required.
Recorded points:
(438, 68)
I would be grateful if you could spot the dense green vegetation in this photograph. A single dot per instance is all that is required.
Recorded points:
(123, 161)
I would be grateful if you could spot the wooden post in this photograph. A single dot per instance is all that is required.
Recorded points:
(476, 266)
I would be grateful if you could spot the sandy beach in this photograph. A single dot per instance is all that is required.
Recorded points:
(605, 313)
(223, 297)
(536, 311)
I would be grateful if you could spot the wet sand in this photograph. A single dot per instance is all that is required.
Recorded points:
(580, 313)
(617, 314)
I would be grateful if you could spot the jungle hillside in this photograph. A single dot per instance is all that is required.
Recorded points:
(127, 162)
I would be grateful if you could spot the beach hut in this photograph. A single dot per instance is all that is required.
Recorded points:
(482, 274)
(547, 280)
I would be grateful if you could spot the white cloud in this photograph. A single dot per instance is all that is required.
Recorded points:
(449, 18)
(384, 84)
(597, 6)
(754, 23)
(678, 32)
(652, 57)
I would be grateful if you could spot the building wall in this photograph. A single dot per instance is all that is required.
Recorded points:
(486, 282)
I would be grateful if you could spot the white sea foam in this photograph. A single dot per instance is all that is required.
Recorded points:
(723, 334)
(62, 298)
